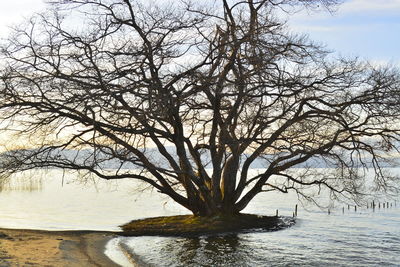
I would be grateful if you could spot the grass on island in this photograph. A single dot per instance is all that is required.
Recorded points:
(188, 225)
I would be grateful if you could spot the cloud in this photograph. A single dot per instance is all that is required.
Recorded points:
(333, 28)
(350, 9)
(360, 16)
(377, 7)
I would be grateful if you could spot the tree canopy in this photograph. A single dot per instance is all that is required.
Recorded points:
(191, 96)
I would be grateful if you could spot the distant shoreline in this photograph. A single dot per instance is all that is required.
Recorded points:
(21, 247)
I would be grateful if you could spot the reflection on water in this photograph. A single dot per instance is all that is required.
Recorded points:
(356, 238)
(63, 203)
(220, 250)
(22, 183)
(225, 250)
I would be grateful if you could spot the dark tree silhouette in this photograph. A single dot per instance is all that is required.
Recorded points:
(192, 95)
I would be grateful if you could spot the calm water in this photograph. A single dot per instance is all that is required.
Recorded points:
(362, 238)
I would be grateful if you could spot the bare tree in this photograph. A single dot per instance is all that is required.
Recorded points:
(192, 95)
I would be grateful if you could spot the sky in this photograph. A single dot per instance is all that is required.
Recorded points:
(369, 29)
(14, 11)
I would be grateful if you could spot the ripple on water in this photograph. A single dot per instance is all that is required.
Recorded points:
(317, 240)
(362, 238)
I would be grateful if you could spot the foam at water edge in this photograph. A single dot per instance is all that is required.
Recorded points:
(116, 254)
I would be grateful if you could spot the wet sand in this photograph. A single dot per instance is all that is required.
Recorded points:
(58, 248)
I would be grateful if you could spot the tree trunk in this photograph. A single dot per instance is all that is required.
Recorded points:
(200, 208)
(228, 181)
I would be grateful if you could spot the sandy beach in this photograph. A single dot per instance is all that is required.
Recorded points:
(58, 248)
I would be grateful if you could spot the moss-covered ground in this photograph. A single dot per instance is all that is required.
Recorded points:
(189, 225)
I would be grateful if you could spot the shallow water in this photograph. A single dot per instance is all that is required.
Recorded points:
(361, 238)
(66, 204)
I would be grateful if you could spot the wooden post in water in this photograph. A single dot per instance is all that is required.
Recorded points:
(276, 213)
(379, 205)
(348, 207)
(383, 204)
(355, 207)
(387, 205)
(343, 210)
(295, 210)
(329, 211)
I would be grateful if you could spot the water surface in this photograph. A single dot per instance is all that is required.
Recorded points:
(355, 238)
(362, 238)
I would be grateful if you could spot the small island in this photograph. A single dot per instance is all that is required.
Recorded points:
(190, 225)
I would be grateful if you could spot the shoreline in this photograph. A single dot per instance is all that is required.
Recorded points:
(22, 247)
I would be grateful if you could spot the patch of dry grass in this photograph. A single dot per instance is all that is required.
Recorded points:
(183, 225)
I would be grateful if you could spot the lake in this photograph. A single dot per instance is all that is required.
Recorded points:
(55, 202)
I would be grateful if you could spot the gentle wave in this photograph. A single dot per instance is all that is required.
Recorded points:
(354, 239)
